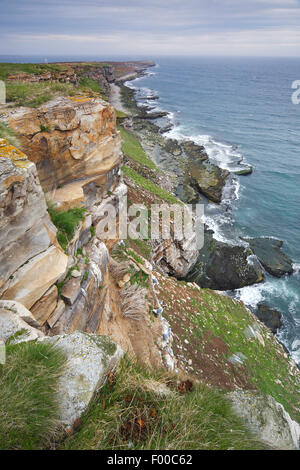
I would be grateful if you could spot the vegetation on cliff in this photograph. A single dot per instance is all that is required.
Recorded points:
(28, 402)
(66, 222)
(144, 409)
(22, 92)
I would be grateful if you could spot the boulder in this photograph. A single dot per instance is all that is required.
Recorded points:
(222, 266)
(268, 251)
(89, 359)
(269, 316)
(208, 178)
(15, 329)
(267, 419)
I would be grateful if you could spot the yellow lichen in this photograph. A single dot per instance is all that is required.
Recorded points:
(8, 151)
(80, 98)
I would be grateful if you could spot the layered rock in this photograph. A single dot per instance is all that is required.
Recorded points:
(30, 257)
(69, 139)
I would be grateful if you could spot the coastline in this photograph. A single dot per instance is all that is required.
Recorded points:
(167, 132)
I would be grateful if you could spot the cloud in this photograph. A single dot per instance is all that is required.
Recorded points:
(152, 27)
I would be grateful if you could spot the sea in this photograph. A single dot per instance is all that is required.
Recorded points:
(240, 109)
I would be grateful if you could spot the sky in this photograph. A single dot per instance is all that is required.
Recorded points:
(150, 28)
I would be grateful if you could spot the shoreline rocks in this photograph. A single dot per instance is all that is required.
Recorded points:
(269, 317)
(224, 267)
(268, 251)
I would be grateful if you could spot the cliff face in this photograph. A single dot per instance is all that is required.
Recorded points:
(30, 257)
(68, 139)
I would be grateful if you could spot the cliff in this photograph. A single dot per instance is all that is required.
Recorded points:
(69, 139)
(66, 285)
(31, 260)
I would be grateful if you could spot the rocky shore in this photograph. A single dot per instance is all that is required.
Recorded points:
(194, 179)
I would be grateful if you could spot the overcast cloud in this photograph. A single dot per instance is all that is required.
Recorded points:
(150, 27)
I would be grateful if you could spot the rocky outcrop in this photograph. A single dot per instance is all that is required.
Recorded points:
(31, 260)
(69, 139)
(175, 257)
(224, 267)
(268, 251)
(267, 419)
(270, 317)
(89, 360)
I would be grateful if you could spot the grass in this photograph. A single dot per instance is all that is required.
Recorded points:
(34, 95)
(120, 114)
(35, 69)
(66, 223)
(37, 93)
(8, 134)
(266, 365)
(132, 148)
(88, 84)
(130, 413)
(150, 186)
(205, 314)
(28, 406)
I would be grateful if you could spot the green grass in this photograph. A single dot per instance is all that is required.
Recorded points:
(129, 413)
(266, 365)
(88, 84)
(36, 69)
(28, 404)
(8, 134)
(34, 95)
(132, 148)
(66, 223)
(150, 186)
(120, 114)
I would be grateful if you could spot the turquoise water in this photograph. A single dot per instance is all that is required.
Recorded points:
(243, 108)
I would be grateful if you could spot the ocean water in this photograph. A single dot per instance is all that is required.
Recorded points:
(242, 109)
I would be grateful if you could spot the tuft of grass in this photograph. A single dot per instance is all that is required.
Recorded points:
(150, 186)
(66, 223)
(29, 414)
(133, 302)
(132, 148)
(137, 410)
(8, 134)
